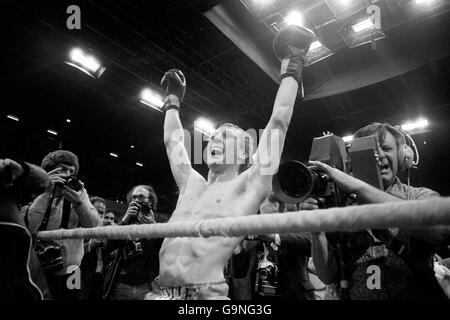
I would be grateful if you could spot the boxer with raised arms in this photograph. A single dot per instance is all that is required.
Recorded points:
(193, 268)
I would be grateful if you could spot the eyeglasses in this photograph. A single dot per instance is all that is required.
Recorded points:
(139, 197)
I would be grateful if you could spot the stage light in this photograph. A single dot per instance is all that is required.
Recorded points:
(360, 32)
(114, 155)
(294, 18)
(139, 164)
(412, 126)
(89, 62)
(204, 126)
(86, 63)
(68, 121)
(347, 138)
(10, 116)
(132, 147)
(423, 1)
(363, 25)
(53, 132)
(315, 45)
(317, 51)
(152, 99)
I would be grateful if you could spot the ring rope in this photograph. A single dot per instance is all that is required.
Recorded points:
(400, 214)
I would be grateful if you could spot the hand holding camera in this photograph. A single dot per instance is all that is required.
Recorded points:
(138, 212)
(55, 178)
(72, 195)
(310, 204)
(72, 187)
(345, 181)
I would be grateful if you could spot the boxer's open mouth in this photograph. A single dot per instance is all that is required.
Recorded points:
(215, 151)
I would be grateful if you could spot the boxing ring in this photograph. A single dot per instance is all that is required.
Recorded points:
(400, 214)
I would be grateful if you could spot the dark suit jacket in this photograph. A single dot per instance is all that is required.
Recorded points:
(293, 255)
(151, 249)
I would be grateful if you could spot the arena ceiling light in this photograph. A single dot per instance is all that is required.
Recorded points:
(68, 120)
(204, 126)
(347, 138)
(53, 132)
(361, 31)
(415, 127)
(343, 9)
(294, 18)
(363, 25)
(139, 164)
(86, 63)
(152, 99)
(114, 155)
(315, 45)
(12, 117)
(317, 51)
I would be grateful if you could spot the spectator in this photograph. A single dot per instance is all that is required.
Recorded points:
(99, 205)
(273, 266)
(135, 263)
(64, 204)
(402, 259)
(108, 219)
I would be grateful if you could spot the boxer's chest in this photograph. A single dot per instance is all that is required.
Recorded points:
(215, 201)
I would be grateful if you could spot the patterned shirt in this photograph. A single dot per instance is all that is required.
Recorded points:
(368, 255)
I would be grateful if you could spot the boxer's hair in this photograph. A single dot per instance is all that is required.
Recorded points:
(379, 130)
(152, 194)
(55, 158)
(248, 147)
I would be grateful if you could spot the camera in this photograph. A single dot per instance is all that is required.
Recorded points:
(144, 208)
(267, 279)
(295, 182)
(133, 249)
(73, 183)
(50, 256)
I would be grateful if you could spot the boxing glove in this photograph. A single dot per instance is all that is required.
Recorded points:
(173, 84)
(291, 45)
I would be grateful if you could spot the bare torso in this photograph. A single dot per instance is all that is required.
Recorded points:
(201, 260)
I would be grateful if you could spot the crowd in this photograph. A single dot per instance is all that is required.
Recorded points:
(413, 264)
(363, 264)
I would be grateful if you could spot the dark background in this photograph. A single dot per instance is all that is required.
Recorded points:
(138, 41)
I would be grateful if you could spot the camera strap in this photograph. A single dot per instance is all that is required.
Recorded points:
(65, 214)
(44, 222)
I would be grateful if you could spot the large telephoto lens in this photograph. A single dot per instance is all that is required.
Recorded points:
(295, 182)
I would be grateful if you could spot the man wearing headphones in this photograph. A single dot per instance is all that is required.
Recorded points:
(381, 264)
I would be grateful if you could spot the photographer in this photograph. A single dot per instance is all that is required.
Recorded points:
(64, 204)
(403, 258)
(135, 263)
(272, 267)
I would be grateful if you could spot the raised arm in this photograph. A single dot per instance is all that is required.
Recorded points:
(433, 235)
(290, 46)
(174, 85)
